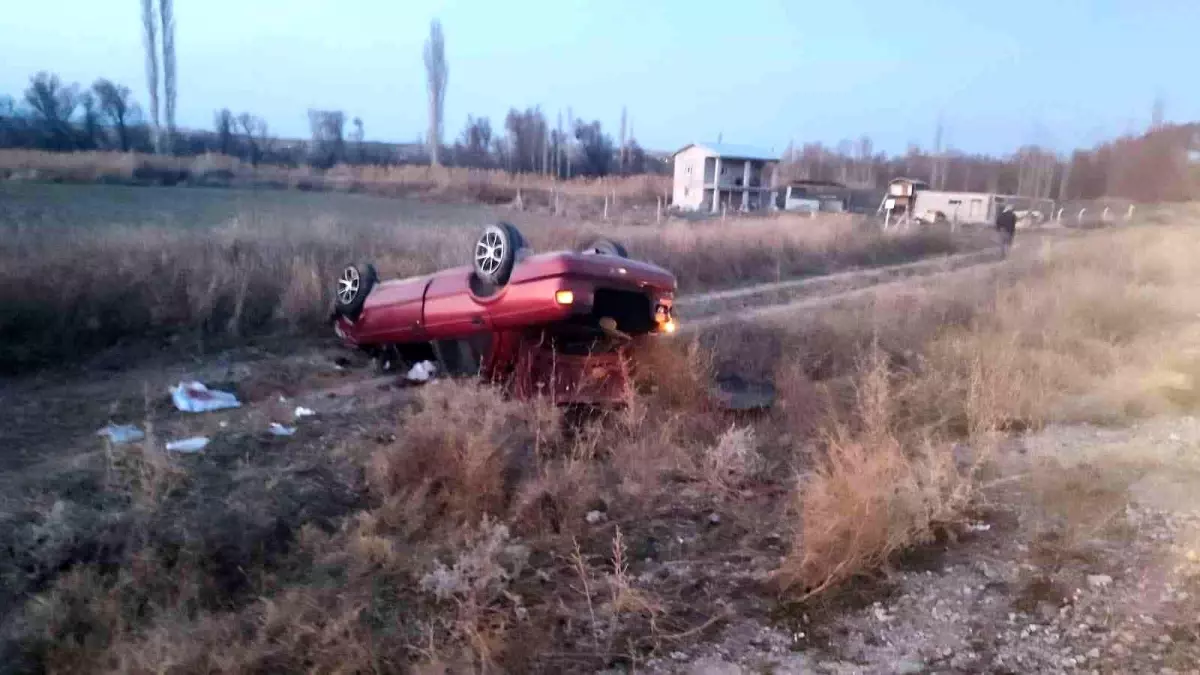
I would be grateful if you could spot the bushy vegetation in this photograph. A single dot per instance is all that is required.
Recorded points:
(489, 535)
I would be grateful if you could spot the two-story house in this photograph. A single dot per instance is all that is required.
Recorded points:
(712, 176)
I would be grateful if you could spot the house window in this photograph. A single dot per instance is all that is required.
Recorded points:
(689, 171)
(685, 190)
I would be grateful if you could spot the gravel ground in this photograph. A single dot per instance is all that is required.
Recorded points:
(1023, 592)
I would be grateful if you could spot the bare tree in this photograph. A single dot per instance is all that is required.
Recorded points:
(938, 172)
(150, 35)
(621, 156)
(167, 14)
(92, 132)
(570, 139)
(116, 105)
(254, 135)
(223, 122)
(1064, 184)
(436, 71)
(357, 136)
(53, 104)
(328, 137)
(558, 148)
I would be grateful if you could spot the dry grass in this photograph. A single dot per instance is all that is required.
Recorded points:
(68, 291)
(488, 185)
(1081, 317)
(464, 545)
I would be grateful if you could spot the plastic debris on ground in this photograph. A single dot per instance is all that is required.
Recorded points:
(194, 397)
(421, 371)
(301, 411)
(278, 429)
(188, 445)
(121, 433)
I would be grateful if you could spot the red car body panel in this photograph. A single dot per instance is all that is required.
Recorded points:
(447, 306)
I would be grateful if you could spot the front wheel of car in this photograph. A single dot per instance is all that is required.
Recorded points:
(604, 247)
(495, 253)
(353, 285)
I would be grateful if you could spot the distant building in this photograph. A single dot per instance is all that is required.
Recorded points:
(709, 176)
(911, 198)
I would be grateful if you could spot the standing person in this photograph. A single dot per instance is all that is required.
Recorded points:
(1006, 223)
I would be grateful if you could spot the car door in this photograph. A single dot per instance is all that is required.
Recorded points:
(450, 310)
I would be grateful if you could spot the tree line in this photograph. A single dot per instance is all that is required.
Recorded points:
(1161, 164)
(53, 115)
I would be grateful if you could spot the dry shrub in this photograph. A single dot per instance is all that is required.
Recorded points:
(871, 495)
(460, 457)
(474, 590)
(734, 458)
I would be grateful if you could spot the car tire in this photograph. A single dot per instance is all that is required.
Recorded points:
(351, 289)
(495, 253)
(604, 247)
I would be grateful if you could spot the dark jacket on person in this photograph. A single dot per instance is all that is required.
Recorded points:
(1006, 221)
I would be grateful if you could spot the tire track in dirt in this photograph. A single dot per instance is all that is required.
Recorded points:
(774, 299)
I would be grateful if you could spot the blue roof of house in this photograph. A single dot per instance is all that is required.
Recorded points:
(734, 151)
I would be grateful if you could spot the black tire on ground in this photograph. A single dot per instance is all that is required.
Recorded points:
(495, 253)
(351, 289)
(603, 246)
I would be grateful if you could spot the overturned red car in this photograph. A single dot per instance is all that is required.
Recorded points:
(561, 324)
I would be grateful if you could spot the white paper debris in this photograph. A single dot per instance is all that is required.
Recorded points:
(194, 397)
(187, 445)
(121, 433)
(421, 371)
(301, 411)
(278, 429)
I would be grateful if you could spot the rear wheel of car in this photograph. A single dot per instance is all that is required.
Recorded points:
(496, 252)
(353, 285)
(604, 247)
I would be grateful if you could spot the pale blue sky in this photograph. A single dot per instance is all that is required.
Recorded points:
(1056, 72)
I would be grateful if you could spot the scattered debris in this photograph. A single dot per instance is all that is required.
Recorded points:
(119, 434)
(978, 527)
(194, 397)
(421, 371)
(714, 518)
(188, 445)
(1098, 581)
(594, 517)
(301, 412)
(278, 429)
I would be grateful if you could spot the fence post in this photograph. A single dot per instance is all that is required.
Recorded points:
(724, 207)
(657, 210)
(1129, 216)
(1081, 212)
(887, 219)
(606, 207)
(1058, 216)
(1104, 216)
